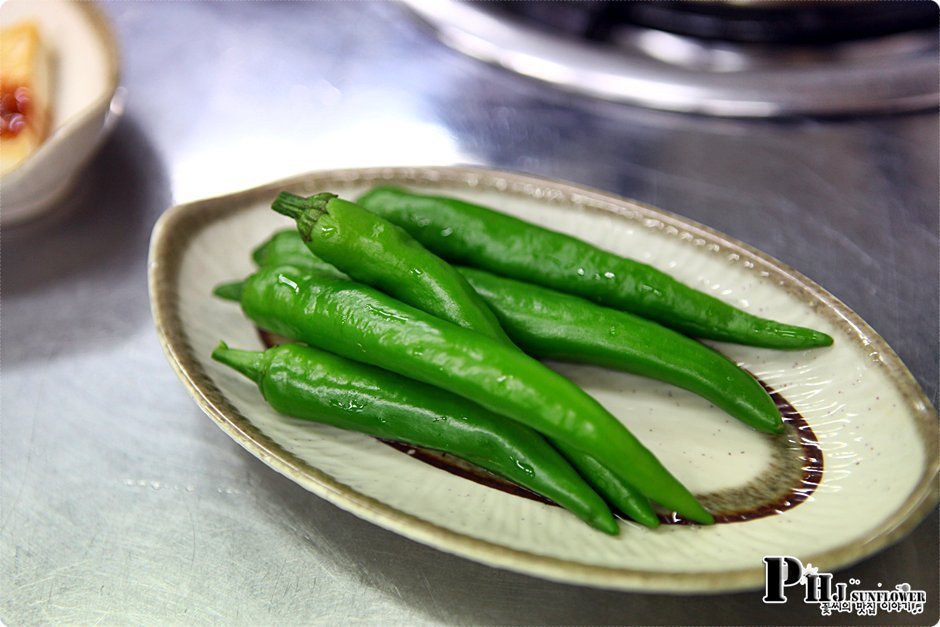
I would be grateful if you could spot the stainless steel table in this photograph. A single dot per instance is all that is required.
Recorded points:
(122, 503)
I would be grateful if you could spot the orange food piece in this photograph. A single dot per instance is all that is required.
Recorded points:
(24, 92)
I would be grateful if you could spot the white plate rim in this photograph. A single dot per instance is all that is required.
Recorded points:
(179, 225)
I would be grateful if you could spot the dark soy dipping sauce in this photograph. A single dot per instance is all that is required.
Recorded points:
(798, 451)
(761, 497)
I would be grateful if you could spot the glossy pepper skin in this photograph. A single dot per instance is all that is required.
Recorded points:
(552, 325)
(314, 385)
(288, 247)
(360, 323)
(472, 235)
(373, 251)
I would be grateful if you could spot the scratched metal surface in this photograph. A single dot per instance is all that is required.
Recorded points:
(121, 503)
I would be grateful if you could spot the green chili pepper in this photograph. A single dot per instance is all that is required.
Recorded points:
(469, 234)
(378, 253)
(627, 499)
(360, 323)
(374, 251)
(288, 248)
(552, 325)
(314, 385)
(291, 248)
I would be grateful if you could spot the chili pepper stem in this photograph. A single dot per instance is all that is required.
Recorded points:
(306, 211)
(230, 291)
(252, 364)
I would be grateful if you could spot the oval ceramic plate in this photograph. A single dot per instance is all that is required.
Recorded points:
(84, 103)
(855, 471)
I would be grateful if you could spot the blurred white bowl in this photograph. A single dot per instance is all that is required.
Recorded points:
(84, 102)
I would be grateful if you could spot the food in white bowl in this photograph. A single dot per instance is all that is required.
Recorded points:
(24, 93)
(80, 102)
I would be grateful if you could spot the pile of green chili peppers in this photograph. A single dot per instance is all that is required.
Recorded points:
(396, 342)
